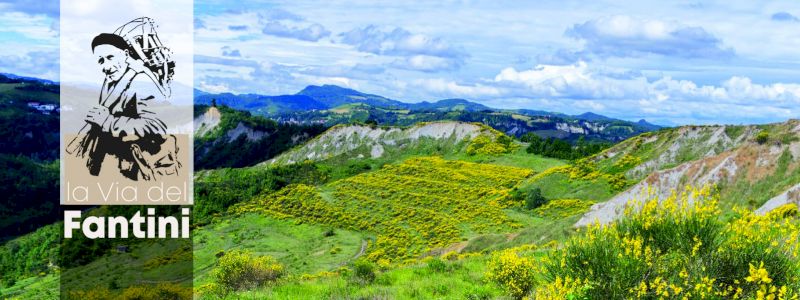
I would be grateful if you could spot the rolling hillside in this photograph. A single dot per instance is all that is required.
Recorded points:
(225, 137)
(360, 141)
(412, 207)
(749, 165)
(449, 208)
(28, 153)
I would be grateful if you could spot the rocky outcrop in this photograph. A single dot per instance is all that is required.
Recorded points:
(374, 142)
(250, 134)
(662, 184)
(674, 146)
(792, 195)
(206, 122)
(720, 158)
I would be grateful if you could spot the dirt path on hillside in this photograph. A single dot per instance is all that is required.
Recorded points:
(359, 254)
(363, 249)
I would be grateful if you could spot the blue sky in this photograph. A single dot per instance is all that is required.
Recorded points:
(689, 62)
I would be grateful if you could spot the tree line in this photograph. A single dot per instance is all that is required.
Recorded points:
(557, 148)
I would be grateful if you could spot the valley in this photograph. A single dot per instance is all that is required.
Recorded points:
(336, 194)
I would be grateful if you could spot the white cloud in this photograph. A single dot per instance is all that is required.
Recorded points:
(311, 33)
(213, 88)
(40, 64)
(418, 51)
(580, 81)
(571, 81)
(36, 27)
(321, 80)
(448, 88)
(743, 88)
(427, 63)
(624, 36)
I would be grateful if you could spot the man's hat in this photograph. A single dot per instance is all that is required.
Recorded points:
(110, 39)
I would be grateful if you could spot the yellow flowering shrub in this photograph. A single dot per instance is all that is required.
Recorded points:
(562, 208)
(99, 293)
(680, 247)
(136, 292)
(181, 254)
(158, 291)
(241, 270)
(785, 211)
(586, 169)
(412, 207)
(484, 144)
(627, 161)
(562, 288)
(516, 274)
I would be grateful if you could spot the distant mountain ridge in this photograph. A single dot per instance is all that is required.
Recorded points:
(331, 105)
(332, 96)
(12, 78)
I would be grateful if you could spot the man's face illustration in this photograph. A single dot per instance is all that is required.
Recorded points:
(112, 60)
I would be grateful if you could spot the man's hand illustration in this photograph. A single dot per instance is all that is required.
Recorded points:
(97, 115)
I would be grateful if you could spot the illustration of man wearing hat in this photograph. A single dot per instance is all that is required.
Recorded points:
(125, 124)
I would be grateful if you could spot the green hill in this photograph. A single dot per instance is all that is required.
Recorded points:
(454, 208)
(225, 137)
(749, 165)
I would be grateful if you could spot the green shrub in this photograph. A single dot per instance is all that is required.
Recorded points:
(437, 265)
(534, 198)
(762, 137)
(9, 282)
(558, 148)
(363, 271)
(478, 293)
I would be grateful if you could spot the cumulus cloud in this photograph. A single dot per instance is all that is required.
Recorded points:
(311, 33)
(580, 81)
(575, 81)
(39, 27)
(427, 63)
(398, 42)
(257, 68)
(238, 75)
(420, 52)
(449, 88)
(560, 57)
(281, 23)
(624, 36)
(631, 92)
(280, 14)
(784, 17)
(50, 8)
(40, 64)
(230, 52)
(626, 94)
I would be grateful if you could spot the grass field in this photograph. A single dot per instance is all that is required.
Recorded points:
(560, 186)
(303, 248)
(517, 158)
(40, 287)
(442, 279)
